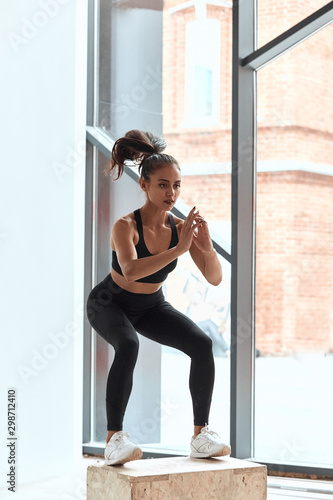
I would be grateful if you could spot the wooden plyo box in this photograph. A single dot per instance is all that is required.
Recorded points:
(178, 478)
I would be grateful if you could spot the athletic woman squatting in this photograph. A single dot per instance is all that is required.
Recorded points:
(145, 247)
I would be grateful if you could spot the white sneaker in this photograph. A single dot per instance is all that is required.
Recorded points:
(120, 450)
(208, 444)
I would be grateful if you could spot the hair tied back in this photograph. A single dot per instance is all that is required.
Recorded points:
(139, 147)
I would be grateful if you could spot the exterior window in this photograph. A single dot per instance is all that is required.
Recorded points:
(203, 91)
(202, 79)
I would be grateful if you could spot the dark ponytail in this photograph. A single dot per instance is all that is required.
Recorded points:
(144, 148)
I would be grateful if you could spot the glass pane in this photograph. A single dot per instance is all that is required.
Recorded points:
(159, 416)
(103, 355)
(146, 72)
(275, 17)
(197, 106)
(145, 59)
(294, 296)
(112, 200)
(130, 66)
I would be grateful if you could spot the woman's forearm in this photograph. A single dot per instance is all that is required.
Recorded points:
(140, 268)
(212, 267)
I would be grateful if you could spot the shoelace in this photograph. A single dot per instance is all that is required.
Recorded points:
(206, 430)
(120, 436)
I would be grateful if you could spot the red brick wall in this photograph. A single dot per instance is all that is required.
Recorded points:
(276, 17)
(200, 190)
(294, 262)
(294, 277)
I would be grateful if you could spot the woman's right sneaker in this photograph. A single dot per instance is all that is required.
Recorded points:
(120, 450)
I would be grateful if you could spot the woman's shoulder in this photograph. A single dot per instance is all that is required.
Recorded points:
(125, 222)
(123, 230)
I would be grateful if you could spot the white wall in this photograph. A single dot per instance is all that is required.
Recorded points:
(43, 103)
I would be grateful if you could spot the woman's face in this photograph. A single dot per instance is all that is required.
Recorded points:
(163, 187)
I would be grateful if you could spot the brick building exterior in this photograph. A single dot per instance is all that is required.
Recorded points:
(294, 294)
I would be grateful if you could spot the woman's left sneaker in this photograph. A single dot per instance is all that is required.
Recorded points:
(208, 444)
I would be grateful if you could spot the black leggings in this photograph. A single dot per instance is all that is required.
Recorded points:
(117, 315)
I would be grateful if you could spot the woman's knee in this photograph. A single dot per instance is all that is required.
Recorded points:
(201, 346)
(128, 346)
(206, 344)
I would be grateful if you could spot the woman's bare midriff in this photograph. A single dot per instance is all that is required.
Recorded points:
(134, 287)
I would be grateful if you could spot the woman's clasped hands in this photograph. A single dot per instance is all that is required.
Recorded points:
(194, 229)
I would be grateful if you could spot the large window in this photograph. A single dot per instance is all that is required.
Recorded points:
(128, 88)
(140, 83)
(295, 256)
(258, 164)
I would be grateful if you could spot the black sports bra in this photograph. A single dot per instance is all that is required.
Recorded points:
(142, 251)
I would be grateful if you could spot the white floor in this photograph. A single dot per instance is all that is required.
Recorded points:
(291, 489)
(73, 487)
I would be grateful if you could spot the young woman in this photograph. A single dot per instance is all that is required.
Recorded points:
(145, 246)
